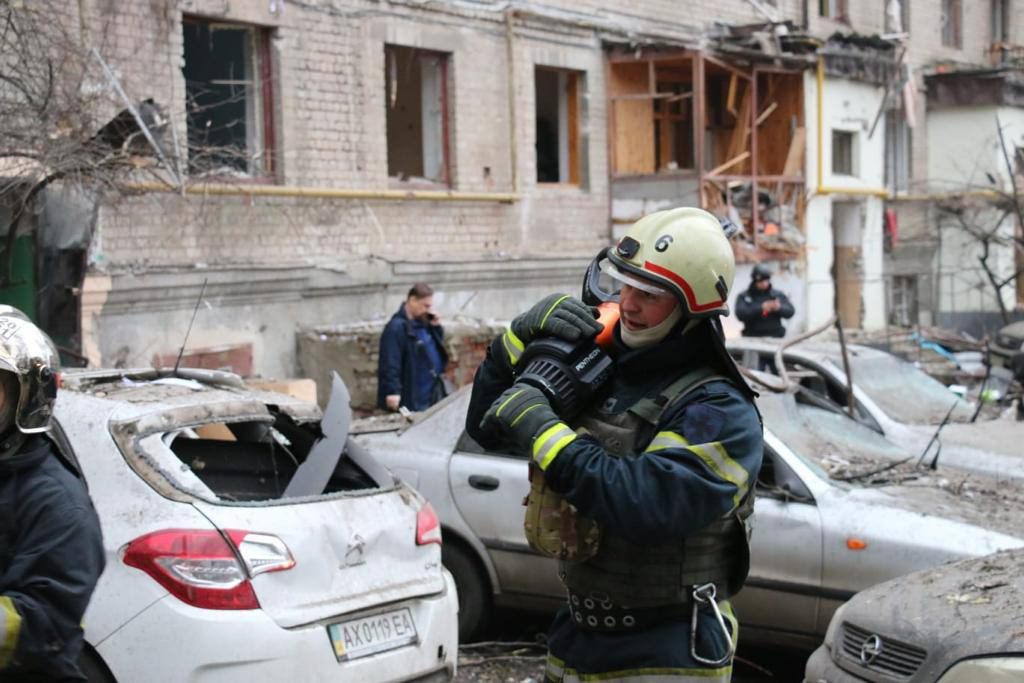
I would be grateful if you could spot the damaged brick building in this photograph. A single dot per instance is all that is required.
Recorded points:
(322, 155)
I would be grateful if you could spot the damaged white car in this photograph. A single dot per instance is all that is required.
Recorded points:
(247, 539)
(897, 399)
(832, 516)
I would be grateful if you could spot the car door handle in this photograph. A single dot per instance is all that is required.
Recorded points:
(484, 483)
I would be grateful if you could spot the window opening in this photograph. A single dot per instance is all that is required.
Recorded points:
(903, 303)
(898, 151)
(1000, 21)
(843, 143)
(417, 119)
(557, 107)
(951, 19)
(228, 97)
(832, 9)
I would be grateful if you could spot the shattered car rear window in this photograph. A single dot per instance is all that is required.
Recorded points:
(248, 461)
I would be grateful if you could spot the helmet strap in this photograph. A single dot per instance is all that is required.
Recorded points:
(638, 339)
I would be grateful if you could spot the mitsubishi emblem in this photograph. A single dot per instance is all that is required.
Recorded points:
(870, 649)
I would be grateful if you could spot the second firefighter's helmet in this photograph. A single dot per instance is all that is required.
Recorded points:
(684, 251)
(29, 354)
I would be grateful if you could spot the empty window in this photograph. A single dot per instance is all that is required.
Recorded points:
(229, 97)
(951, 18)
(417, 114)
(832, 9)
(1000, 21)
(897, 16)
(558, 125)
(903, 300)
(897, 150)
(843, 142)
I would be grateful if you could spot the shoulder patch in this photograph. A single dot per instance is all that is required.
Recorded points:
(702, 423)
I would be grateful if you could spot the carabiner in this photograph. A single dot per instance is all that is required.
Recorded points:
(705, 594)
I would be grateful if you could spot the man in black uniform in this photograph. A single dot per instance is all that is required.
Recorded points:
(662, 463)
(762, 307)
(51, 551)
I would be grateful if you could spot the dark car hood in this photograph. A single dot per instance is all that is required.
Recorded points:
(955, 611)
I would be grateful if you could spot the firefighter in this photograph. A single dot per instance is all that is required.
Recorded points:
(51, 551)
(651, 487)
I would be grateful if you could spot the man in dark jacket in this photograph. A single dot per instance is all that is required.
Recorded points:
(412, 362)
(648, 492)
(761, 307)
(51, 551)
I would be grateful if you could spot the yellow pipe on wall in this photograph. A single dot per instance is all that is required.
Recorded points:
(821, 189)
(323, 192)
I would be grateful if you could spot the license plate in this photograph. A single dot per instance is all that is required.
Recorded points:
(369, 635)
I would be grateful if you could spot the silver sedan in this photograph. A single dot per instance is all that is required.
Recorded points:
(832, 516)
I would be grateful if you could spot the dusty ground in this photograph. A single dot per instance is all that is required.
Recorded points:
(516, 655)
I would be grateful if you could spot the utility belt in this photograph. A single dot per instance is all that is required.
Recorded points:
(592, 614)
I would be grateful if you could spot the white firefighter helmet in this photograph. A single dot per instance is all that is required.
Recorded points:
(683, 251)
(28, 353)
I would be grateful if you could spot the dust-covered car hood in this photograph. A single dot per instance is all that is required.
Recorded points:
(958, 610)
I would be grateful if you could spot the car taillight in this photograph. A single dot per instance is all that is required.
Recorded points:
(428, 529)
(200, 568)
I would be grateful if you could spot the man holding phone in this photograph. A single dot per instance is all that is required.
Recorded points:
(412, 354)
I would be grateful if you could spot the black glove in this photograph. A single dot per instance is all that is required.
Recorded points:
(556, 315)
(525, 415)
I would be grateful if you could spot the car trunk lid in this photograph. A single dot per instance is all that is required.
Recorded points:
(350, 553)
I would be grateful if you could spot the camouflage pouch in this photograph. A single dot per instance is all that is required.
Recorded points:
(553, 525)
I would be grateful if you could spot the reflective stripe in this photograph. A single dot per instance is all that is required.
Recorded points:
(551, 442)
(663, 440)
(10, 626)
(521, 415)
(713, 455)
(513, 346)
(556, 672)
(730, 616)
(507, 401)
(550, 310)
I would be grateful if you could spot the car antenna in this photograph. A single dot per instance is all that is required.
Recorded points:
(935, 437)
(195, 310)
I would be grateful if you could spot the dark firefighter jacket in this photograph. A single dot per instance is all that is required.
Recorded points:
(405, 367)
(756, 323)
(664, 494)
(51, 555)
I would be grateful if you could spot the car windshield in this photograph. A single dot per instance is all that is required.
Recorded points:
(905, 392)
(829, 441)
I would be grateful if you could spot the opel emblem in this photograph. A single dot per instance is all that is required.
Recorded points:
(870, 649)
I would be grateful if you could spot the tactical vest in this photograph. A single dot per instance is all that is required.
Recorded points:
(618, 571)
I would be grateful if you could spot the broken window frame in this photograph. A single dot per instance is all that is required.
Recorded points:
(396, 175)
(569, 146)
(711, 182)
(839, 161)
(260, 145)
(952, 23)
